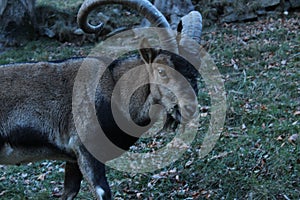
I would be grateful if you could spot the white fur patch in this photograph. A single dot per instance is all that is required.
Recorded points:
(7, 155)
(7, 150)
(100, 192)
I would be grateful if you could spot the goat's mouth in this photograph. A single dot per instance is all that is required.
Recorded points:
(174, 118)
(182, 115)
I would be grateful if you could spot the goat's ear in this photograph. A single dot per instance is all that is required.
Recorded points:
(147, 53)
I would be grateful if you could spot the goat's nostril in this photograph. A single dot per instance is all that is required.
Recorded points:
(189, 110)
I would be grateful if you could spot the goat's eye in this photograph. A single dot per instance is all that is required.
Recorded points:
(162, 72)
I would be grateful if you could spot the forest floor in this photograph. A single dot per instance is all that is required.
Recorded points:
(258, 153)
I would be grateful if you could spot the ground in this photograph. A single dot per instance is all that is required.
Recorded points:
(257, 155)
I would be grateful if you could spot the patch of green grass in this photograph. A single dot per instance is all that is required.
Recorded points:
(262, 99)
(43, 50)
(67, 4)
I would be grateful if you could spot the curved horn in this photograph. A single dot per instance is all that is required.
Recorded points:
(190, 27)
(167, 37)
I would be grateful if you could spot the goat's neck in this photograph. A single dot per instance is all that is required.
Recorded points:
(139, 111)
(144, 113)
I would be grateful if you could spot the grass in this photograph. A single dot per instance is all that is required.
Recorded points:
(61, 4)
(43, 49)
(253, 158)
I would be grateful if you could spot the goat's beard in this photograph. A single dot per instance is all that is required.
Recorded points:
(171, 123)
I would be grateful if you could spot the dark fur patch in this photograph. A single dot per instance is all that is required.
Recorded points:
(27, 137)
(30, 138)
(1, 142)
(111, 129)
(186, 69)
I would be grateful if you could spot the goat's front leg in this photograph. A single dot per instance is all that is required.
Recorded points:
(94, 173)
(73, 177)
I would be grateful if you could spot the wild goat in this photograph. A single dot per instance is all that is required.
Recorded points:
(36, 120)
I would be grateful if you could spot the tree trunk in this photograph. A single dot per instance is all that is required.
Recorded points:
(17, 21)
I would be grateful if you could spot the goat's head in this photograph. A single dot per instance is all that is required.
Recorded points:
(169, 86)
(167, 73)
(166, 70)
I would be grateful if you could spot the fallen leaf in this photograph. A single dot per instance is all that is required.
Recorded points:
(283, 62)
(235, 66)
(196, 195)
(188, 163)
(56, 192)
(41, 177)
(172, 171)
(221, 155)
(139, 195)
(244, 127)
(279, 138)
(263, 107)
(157, 176)
(297, 112)
(177, 178)
(203, 114)
(293, 138)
